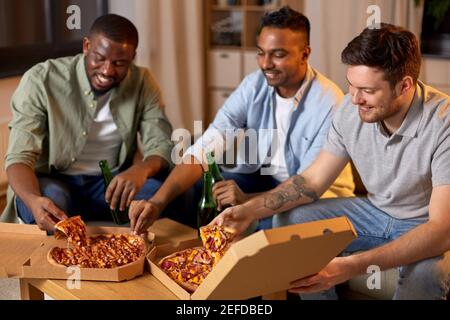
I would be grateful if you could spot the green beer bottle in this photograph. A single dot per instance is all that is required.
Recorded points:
(206, 207)
(215, 172)
(119, 217)
(214, 168)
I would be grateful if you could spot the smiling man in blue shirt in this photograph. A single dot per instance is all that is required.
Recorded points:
(286, 94)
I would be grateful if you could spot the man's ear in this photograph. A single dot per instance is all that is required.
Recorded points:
(406, 84)
(86, 45)
(306, 54)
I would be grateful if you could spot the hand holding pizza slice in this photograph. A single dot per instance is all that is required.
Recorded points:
(237, 218)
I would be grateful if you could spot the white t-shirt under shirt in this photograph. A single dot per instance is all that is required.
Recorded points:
(283, 113)
(103, 142)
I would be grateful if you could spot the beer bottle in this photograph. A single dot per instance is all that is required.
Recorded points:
(206, 207)
(215, 173)
(119, 217)
(214, 168)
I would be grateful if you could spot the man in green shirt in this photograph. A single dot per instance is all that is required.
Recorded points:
(70, 113)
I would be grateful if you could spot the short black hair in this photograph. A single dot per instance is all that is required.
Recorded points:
(287, 18)
(116, 28)
(389, 48)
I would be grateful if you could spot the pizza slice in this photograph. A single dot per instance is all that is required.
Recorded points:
(190, 276)
(216, 239)
(74, 229)
(188, 267)
(69, 257)
(196, 278)
(191, 266)
(180, 259)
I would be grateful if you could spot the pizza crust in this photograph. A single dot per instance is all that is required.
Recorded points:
(188, 286)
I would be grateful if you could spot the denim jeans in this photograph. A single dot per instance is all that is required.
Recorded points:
(426, 279)
(85, 196)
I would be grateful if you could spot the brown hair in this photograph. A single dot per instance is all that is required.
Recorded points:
(389, 48)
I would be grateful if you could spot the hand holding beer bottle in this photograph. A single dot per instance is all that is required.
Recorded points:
(119, 217)
(226, 193)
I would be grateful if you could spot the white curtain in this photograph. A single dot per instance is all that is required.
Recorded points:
(172, 46)
(335, 23)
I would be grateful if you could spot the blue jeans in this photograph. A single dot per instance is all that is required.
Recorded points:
(249, 183)
(426, 279)
(85, 196)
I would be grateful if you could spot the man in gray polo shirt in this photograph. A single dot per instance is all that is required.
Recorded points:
(396, 130)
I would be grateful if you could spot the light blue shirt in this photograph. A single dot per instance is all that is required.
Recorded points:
(251, 106)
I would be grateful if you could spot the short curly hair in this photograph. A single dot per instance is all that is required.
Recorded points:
(116, 28)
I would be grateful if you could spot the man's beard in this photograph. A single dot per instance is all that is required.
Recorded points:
(99, 93)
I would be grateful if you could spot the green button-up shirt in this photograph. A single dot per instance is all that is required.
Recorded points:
(53, 109)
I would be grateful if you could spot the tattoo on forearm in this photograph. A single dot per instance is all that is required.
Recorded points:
(293, 190)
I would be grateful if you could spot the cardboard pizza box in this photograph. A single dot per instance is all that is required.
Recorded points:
(24, 250)
(264, 262)
(17, 243)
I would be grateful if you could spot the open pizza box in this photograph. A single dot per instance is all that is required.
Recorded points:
(266, 262)
(24, 250)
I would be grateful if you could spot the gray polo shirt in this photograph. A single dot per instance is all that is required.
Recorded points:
(398, 171)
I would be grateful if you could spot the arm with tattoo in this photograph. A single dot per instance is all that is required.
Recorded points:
(298, 190)
(290, 194)
(290, 191)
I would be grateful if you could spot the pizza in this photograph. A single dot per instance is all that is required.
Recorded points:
(191, 266)
(101, 251)
(188, 267)
(216, 239)
(74, 229)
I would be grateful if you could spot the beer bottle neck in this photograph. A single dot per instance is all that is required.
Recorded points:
(214, 168)
(207, 186)
(106, 172)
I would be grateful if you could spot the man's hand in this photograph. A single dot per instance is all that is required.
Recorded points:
(235, 217)
(124, 187)
(227, 193)
(142, 214)
(339, 270)
(46, 213)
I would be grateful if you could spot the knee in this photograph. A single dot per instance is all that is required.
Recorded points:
(149, 189)
(58, 194)
(280, 220)
(294, 216)
(426, 279)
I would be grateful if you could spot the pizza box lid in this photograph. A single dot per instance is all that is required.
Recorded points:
(17, 243)
(24, 249)
(264, 262)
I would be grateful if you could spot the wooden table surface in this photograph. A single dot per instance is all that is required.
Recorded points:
(145, 287)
